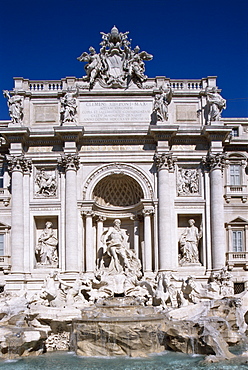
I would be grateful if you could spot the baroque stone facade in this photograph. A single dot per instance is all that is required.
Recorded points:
(149, 155)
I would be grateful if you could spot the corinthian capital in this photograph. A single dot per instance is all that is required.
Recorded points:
(19, 163)
(215, 161)
(69, 162)
(164, 161)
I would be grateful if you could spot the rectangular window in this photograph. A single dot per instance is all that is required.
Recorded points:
(235, 178)
(235, 132)
(1, 244)
(237, 241)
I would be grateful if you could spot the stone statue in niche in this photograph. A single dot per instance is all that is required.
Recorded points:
(189, 241)
(188, 182)
(47, 248)
(215, 104)
(15, 105)
(68, 107)
(117, 64)
(161, 102)
(46, 183)
(115, 241)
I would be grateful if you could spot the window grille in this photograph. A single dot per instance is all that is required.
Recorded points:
(239, 288)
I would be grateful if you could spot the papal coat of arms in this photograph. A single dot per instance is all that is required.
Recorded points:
(117, 64)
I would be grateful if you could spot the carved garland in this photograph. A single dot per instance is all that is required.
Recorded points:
(118, 168)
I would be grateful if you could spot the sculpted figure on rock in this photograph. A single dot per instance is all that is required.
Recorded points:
(115, 240)
(189, 243)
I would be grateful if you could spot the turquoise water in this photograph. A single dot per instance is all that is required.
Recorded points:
(165, 361)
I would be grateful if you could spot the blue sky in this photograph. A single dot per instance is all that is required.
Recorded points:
(41, 39)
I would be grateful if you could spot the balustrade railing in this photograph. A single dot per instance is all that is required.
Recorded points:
(186, 84)
(45, 86)
(238, 259)
(5, 263)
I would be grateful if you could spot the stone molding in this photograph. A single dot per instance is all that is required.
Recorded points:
(118, 168)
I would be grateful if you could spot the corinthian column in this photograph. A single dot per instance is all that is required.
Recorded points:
(71, 164)
(17, 165)
(216, 163)
(167, 255)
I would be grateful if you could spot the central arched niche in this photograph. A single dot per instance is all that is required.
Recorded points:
(117, 190)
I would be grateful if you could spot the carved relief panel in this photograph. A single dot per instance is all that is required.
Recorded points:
(188, 182)
(45, 182)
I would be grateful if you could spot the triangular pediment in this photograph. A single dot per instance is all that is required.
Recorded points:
(239, 220)
(4, 226)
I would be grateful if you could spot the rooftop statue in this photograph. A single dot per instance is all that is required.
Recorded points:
(215, 104)
(15, 105)
(116, 65)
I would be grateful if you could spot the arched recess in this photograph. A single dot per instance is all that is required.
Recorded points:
(123, 191)
(118, 169)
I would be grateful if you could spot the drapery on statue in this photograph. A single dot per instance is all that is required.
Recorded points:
(117, 257)
(15, 105)
(46, 250)
(68, 107)
(161, 102)
(216, 104)
(189, 241)
(115, 240)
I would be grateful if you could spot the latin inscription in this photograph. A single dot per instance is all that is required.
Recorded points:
(115, 111)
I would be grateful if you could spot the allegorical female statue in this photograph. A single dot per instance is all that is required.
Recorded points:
(46, 250)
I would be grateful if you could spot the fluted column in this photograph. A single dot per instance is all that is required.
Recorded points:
(17, 165)
(71, 165)
(89, 252)
(165, 165)
(147, 239)
(216, 164)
